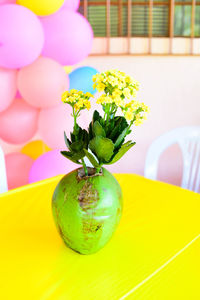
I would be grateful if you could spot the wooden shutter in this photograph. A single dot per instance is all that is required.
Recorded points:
(96, 14)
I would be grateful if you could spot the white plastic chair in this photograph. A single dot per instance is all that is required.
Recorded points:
(188, 139)
(3, 178)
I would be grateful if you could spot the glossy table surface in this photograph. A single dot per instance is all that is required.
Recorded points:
(154, 254)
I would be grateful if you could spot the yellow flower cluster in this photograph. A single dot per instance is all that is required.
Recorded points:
(136, 112)
(77, 99)
(117, 85)
(106, 99)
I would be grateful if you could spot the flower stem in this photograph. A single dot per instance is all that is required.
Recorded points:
(131, 123)
(108, 115)
(75, 116)
(98, 169)
(84, 167)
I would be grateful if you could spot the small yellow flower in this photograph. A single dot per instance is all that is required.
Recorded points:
(128, 79)
(138, 122)
(136, 84)
(87, 104)
(78, 105)
(113, 80)
(127, 93)
(103, 99)
(89, 95)
(119, 101)
(117, 92)
(145, 116)
(77, 99)
(128, 115)
(100, 87)
(64, 96)
(71, 99)
(94, 78)
(145, 108)
(73, 91)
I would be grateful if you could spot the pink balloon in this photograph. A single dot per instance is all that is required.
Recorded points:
(18, 123)
(8, 87)
(18, 95)
(42, 83)
(21, 36)
(7, 1)
(52, 124)
(68, 37)
(50, 164)
(71, 4)
(17, 167)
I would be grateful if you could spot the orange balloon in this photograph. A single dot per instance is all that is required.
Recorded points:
(35, 149)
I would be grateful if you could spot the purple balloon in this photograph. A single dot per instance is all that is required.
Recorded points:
(71, 4)
(68, 37)
(21, 36)
(50, 164)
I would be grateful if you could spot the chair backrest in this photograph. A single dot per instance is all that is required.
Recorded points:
(3, 178)
(188, 139)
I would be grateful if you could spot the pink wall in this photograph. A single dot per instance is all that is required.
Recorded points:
(170, 86)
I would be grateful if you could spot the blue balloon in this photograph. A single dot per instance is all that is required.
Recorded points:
(81, 79)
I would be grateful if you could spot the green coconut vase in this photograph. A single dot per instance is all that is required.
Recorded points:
(87, 203)
(87, 209)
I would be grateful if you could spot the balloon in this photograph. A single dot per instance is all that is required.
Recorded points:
(8, 87)
(81, 79)
(35, 149)
(42, 7)
(17, 167)
(71, 4)
(52, 124)
(21, 36)
(18, 123)
(7, 1)
(68, 37)
(18, 95)
(50, 164)
(42, 83)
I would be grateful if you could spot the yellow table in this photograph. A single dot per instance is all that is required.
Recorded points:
(154, 254)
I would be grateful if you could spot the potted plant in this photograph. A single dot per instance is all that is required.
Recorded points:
(87, 203)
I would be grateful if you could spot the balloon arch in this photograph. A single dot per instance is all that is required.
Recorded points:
(38, 39)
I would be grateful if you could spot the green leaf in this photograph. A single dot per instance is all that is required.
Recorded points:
(121, 137)
(73, 139)
(102, 148)
(76, 130)
(90, 131)
(76, 146)
(109, 127)
(125, 147)
(78, 155)
(96, 116)
(101, 121)
(67, 142)
(119, 126)
(85, 138)
(91, 159)
(80, 133)
(98, 129)
(70, 156)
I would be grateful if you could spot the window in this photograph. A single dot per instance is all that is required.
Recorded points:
(144, 19)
